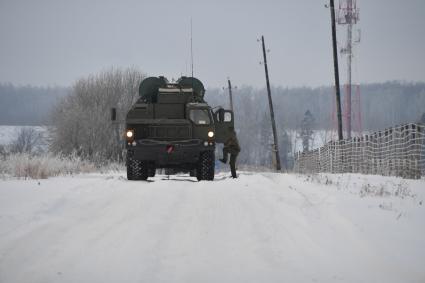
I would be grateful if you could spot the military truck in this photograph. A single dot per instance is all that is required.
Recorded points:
(171, 126)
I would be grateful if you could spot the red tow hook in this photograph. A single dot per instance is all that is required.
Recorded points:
(170, 148)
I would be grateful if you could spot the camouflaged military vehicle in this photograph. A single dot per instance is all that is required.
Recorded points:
(171, 126)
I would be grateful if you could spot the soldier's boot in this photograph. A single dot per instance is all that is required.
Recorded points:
(233, 170)
(233, 165)
(224, 159)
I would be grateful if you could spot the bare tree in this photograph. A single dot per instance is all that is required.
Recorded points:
(3, 152)
(26, 142)
(82, 122)
(306, 133)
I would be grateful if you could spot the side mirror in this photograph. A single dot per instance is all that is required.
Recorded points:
(113, 114)
(227, 117)
(221, 115)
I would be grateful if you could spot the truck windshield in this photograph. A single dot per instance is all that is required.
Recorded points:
(199, 116)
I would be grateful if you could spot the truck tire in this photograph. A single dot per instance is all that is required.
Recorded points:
(205, 169)
(144, 170)
(136, 169)
(151, 170)
(133, 168)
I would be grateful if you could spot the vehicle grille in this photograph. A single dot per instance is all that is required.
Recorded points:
(163, 132)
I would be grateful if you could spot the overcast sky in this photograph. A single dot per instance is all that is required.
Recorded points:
(55, 42)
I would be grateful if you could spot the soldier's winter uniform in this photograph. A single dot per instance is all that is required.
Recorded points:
(231, 146)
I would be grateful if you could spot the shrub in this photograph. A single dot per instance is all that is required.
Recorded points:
(24, 165)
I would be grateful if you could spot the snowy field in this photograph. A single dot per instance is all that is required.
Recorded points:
(262, 227)
(9, 133)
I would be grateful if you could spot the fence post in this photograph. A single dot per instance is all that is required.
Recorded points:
(385, 155)
(391, 149)
(421, 133)
(416, 152)
(397, 144)
(330, 151)
(319, 161)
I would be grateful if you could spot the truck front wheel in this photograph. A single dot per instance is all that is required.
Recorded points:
(151, 170)
(205, 170)
(136, 169)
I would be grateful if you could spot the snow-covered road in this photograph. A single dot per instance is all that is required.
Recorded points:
(262, 227)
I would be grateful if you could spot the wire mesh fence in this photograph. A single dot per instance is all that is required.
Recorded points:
(397, 151)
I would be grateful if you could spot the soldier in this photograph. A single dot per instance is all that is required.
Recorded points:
(231, 146)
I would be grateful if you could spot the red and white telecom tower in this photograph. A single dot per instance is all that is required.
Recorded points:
(348, 14)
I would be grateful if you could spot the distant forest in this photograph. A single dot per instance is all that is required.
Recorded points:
(382, 104)
(28, 105)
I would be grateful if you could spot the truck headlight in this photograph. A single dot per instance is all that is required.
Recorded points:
(210, 134)
(129, 134)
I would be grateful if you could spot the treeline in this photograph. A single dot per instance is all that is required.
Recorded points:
(28, 105)
(81, 125)
(382, 104)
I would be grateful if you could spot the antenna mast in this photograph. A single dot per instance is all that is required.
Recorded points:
(191, 48)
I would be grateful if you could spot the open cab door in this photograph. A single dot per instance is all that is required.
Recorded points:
(224, 123)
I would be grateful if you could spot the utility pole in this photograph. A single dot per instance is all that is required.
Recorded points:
(230, 94)
(336, 71)
(275, 145)
(349, 59)
(349, 15)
